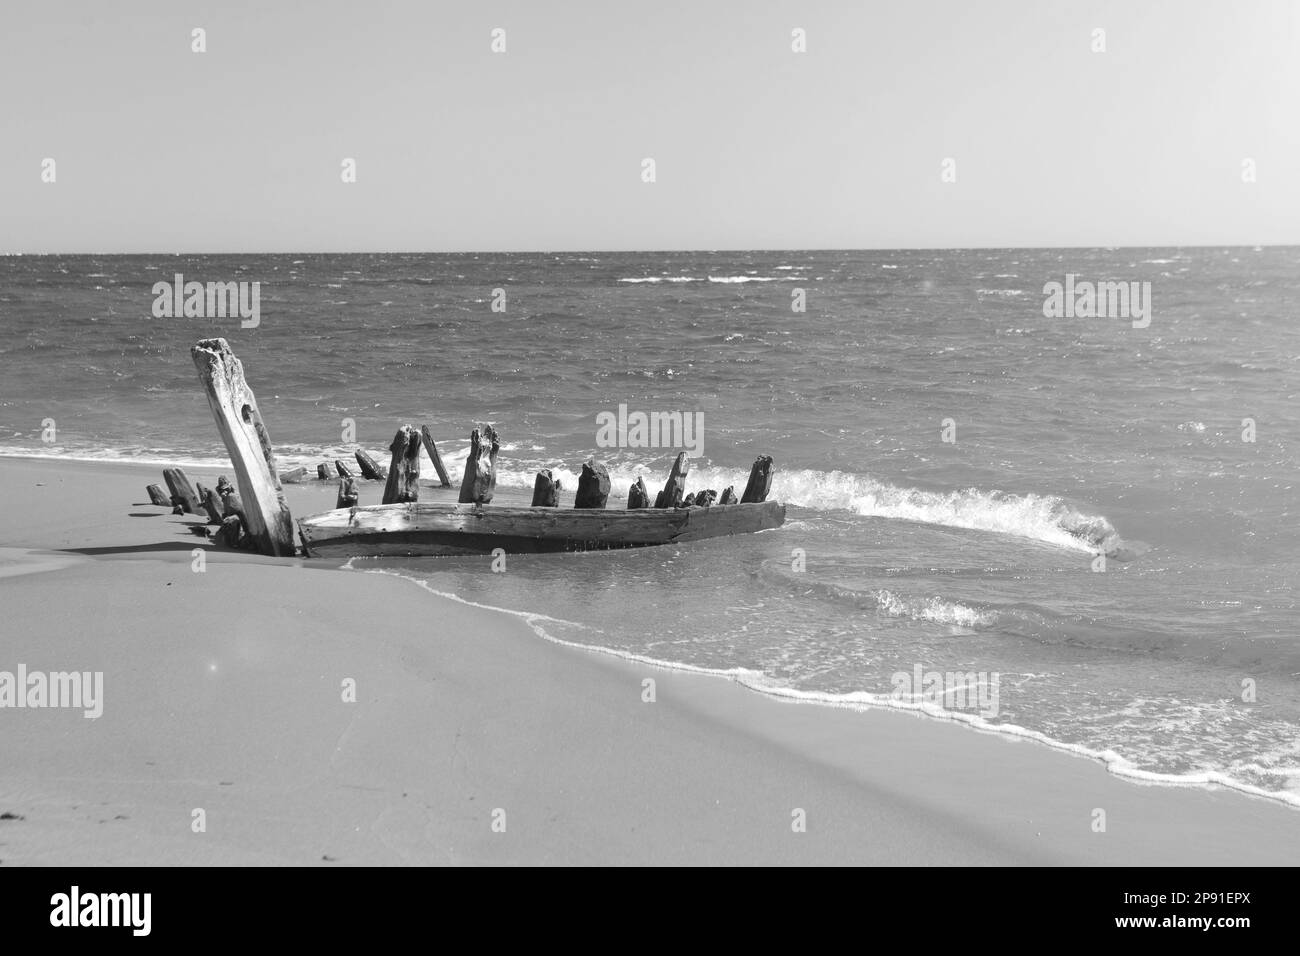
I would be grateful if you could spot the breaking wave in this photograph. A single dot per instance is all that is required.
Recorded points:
(1045, 518)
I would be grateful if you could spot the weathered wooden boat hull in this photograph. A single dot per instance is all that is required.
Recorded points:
(418, 529)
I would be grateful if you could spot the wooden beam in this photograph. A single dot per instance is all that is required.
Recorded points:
(183, 495)
(760, 480)
(434, 457)
(211, 502)
(675, 486)
(368, 467)
(479, 483)
(230, 503)
(404, 472)
(544, 490)
(266, 515)
(347, 493)
(593, 485)
(638, 496)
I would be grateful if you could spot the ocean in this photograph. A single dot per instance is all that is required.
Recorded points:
(1095, 523)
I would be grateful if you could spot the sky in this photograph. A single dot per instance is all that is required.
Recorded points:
(157, 148)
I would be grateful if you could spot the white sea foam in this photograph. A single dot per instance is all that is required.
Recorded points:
(935, 610)
(1045, 518)
(721, 279)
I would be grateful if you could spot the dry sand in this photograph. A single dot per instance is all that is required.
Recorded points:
(223, 691)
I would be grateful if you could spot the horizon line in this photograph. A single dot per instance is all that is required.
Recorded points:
(543, 252)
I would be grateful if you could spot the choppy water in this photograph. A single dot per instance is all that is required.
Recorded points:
(1074, 437)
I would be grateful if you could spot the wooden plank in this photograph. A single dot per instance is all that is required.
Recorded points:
(434, 457)
(432, 528)
(404, 471)
(266, 515)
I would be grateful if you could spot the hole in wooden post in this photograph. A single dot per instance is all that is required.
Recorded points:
(247, 413)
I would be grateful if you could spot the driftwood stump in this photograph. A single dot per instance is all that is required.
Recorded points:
(183, 495)
(266, 516)
(434, 457)
(156, 497)
(729, 496)
(231, 532)
(323, 472)
(593, 485)
(367, 465)
(230, 503)
(211, 502)
(705, 498)
(479, 483)
(348, 496)
(343, 470)
(545, 489)
(688, 501)
(637, 496)
(294, 476)
(675, 487)
(760, 480)
(404, 472)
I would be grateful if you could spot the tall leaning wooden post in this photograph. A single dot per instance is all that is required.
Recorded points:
(266, 515)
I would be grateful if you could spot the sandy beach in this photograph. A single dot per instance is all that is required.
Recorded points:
(223, 692)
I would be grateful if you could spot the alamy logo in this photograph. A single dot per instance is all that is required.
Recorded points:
(102, 909)
(969, 690)
(1098, 300)
(208, 300)
(624, 429)
(82, 690)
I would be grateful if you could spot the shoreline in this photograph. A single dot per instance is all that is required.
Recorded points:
(928, 790)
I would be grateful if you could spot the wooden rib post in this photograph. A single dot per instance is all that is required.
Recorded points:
(347, 493)
(266, 516)
(638, 496)
(593, 485)
(434, 457)
(404, 472)
(183, 495)
(544, 490)
(760, 480)
(369, 469)
(480, 478)
(675, 486)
